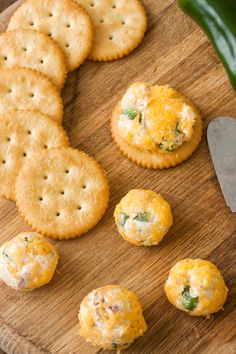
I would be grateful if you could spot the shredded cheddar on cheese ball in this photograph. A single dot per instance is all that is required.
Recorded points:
(28, 261)
(156, 118)
(196, 286)
(111, 317)
(143, 217)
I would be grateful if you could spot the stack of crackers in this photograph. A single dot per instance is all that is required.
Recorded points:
(61, 192)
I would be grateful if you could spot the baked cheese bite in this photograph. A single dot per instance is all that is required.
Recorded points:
(143, 217)
(156, 126)
(28, 261)
(197, 287)
(111, 318)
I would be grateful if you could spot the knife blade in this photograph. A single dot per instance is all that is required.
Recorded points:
(221, 136)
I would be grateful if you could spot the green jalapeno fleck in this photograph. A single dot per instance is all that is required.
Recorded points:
(130, 113)
(188, 301)
(143, 217)
(124, 218)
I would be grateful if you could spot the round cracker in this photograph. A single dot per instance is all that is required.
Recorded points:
(33, 50)
(65, 21)
(22, 133)
(157, 160)
(26, 89)
(119, 26)
(62, 193)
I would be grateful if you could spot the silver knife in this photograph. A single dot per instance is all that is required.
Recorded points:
(221, 136)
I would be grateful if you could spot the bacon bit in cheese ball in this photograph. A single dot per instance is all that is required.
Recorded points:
(28, 261)
(143, 217)
(111, 318)
(156, 118)
(196, 286)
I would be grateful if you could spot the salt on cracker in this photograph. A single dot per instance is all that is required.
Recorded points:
(119, 27)
(62, 192)
(63, 20)
(156, 160)
(34, 50)
(26, 89)
(22, 133)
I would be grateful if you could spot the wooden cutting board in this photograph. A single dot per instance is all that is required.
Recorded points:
(176, 52)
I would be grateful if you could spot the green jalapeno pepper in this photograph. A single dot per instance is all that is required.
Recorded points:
(217, 18)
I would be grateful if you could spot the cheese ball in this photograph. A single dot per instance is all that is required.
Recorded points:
(143, 217)
(111, 318)
(28, 261)
(156, 118)
(197, 287)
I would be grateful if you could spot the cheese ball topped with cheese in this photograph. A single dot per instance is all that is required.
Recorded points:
(156, 126)
(111, 318)
(156, 117)
(143, 217)
(28, 261)
(197, 287)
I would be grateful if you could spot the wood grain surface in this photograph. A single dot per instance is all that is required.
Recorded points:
(176, 52)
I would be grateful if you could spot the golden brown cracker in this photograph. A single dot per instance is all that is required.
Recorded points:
(65, 21)
(33, 50)
(26, 89)
(119, 26)
(156, 160)
(22, 133)
(62, 192)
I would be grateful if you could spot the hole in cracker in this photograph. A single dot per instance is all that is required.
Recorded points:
(8, 139)
(102, 20)
(5, 58)
(24, 154)
(45, 146)
(79, 207)
(67, 171)
(50, 15)
(123, 22)
(3, 161)
(24, 49)
(10, 91)
(58, 214)
(31, 23)
(40, 199)
(114, 6)
(62, 192)
(84, 186)
(45, 177)
(92, 4)
(41, 61)
(29, 132)
(110, 38)
(68, 25)
(67, 45)
(50, 35)
(32, 95)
